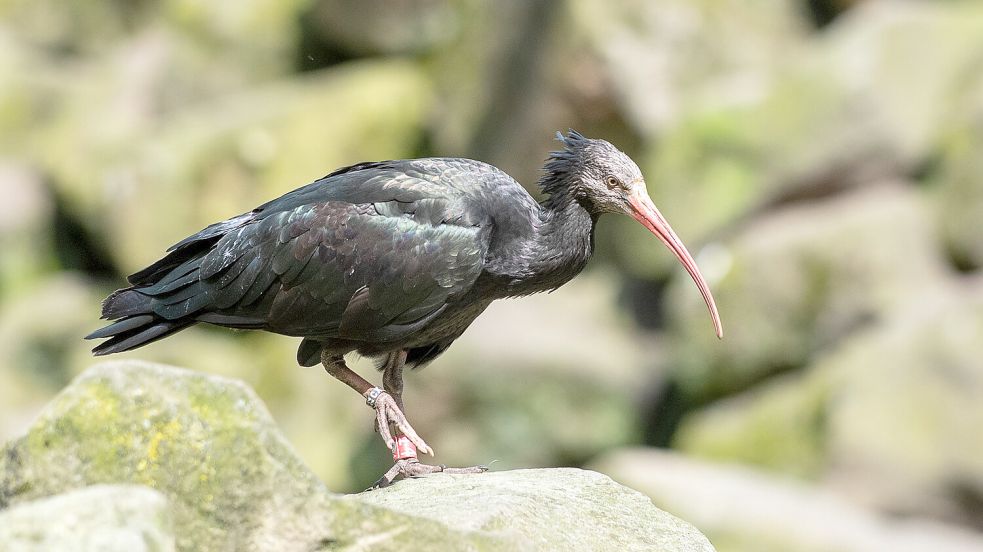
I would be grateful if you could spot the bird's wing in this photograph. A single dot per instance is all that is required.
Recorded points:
(368, 254)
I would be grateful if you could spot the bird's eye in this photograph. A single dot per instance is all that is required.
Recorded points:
(612, 182)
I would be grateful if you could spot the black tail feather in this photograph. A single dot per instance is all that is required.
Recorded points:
(121, 326)
(166, 296)
(139, 336)
(135, 323)
(125, 302)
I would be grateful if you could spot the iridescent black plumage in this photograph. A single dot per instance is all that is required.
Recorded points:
(375, 257)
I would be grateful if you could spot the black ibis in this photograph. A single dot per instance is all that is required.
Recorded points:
(392, 259)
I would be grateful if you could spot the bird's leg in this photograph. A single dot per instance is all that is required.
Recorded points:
(335, 365)
(391, 422)
(407, 463)
(388, 411)
(392, 376)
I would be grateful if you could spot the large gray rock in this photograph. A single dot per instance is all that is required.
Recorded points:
(546, 509)
(748, 510)
(101, 518)
(206, 443)
(209, 446)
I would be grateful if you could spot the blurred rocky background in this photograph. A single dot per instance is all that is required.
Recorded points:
(823, 159)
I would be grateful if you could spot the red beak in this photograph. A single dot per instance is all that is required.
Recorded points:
(645, 212)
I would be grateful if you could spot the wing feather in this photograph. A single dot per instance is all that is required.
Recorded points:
(370, 251)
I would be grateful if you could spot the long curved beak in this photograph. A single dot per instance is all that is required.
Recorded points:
(645, 212)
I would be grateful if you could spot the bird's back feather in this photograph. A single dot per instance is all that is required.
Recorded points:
(369, 252)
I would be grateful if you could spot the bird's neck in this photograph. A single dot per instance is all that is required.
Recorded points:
(561, 244)
(566, 240)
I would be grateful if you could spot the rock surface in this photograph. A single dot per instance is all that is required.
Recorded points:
(209, 446)
(543, 510)
(103, 518)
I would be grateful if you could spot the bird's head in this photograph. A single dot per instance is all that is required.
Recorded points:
(605, 180)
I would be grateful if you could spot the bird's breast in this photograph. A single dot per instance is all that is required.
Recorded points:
(451, 323)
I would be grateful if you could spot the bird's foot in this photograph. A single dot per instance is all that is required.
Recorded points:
(388, 414)
(413, 468)
(405, 444)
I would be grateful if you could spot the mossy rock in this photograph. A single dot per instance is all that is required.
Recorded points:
(206, 443)
(209, 446)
